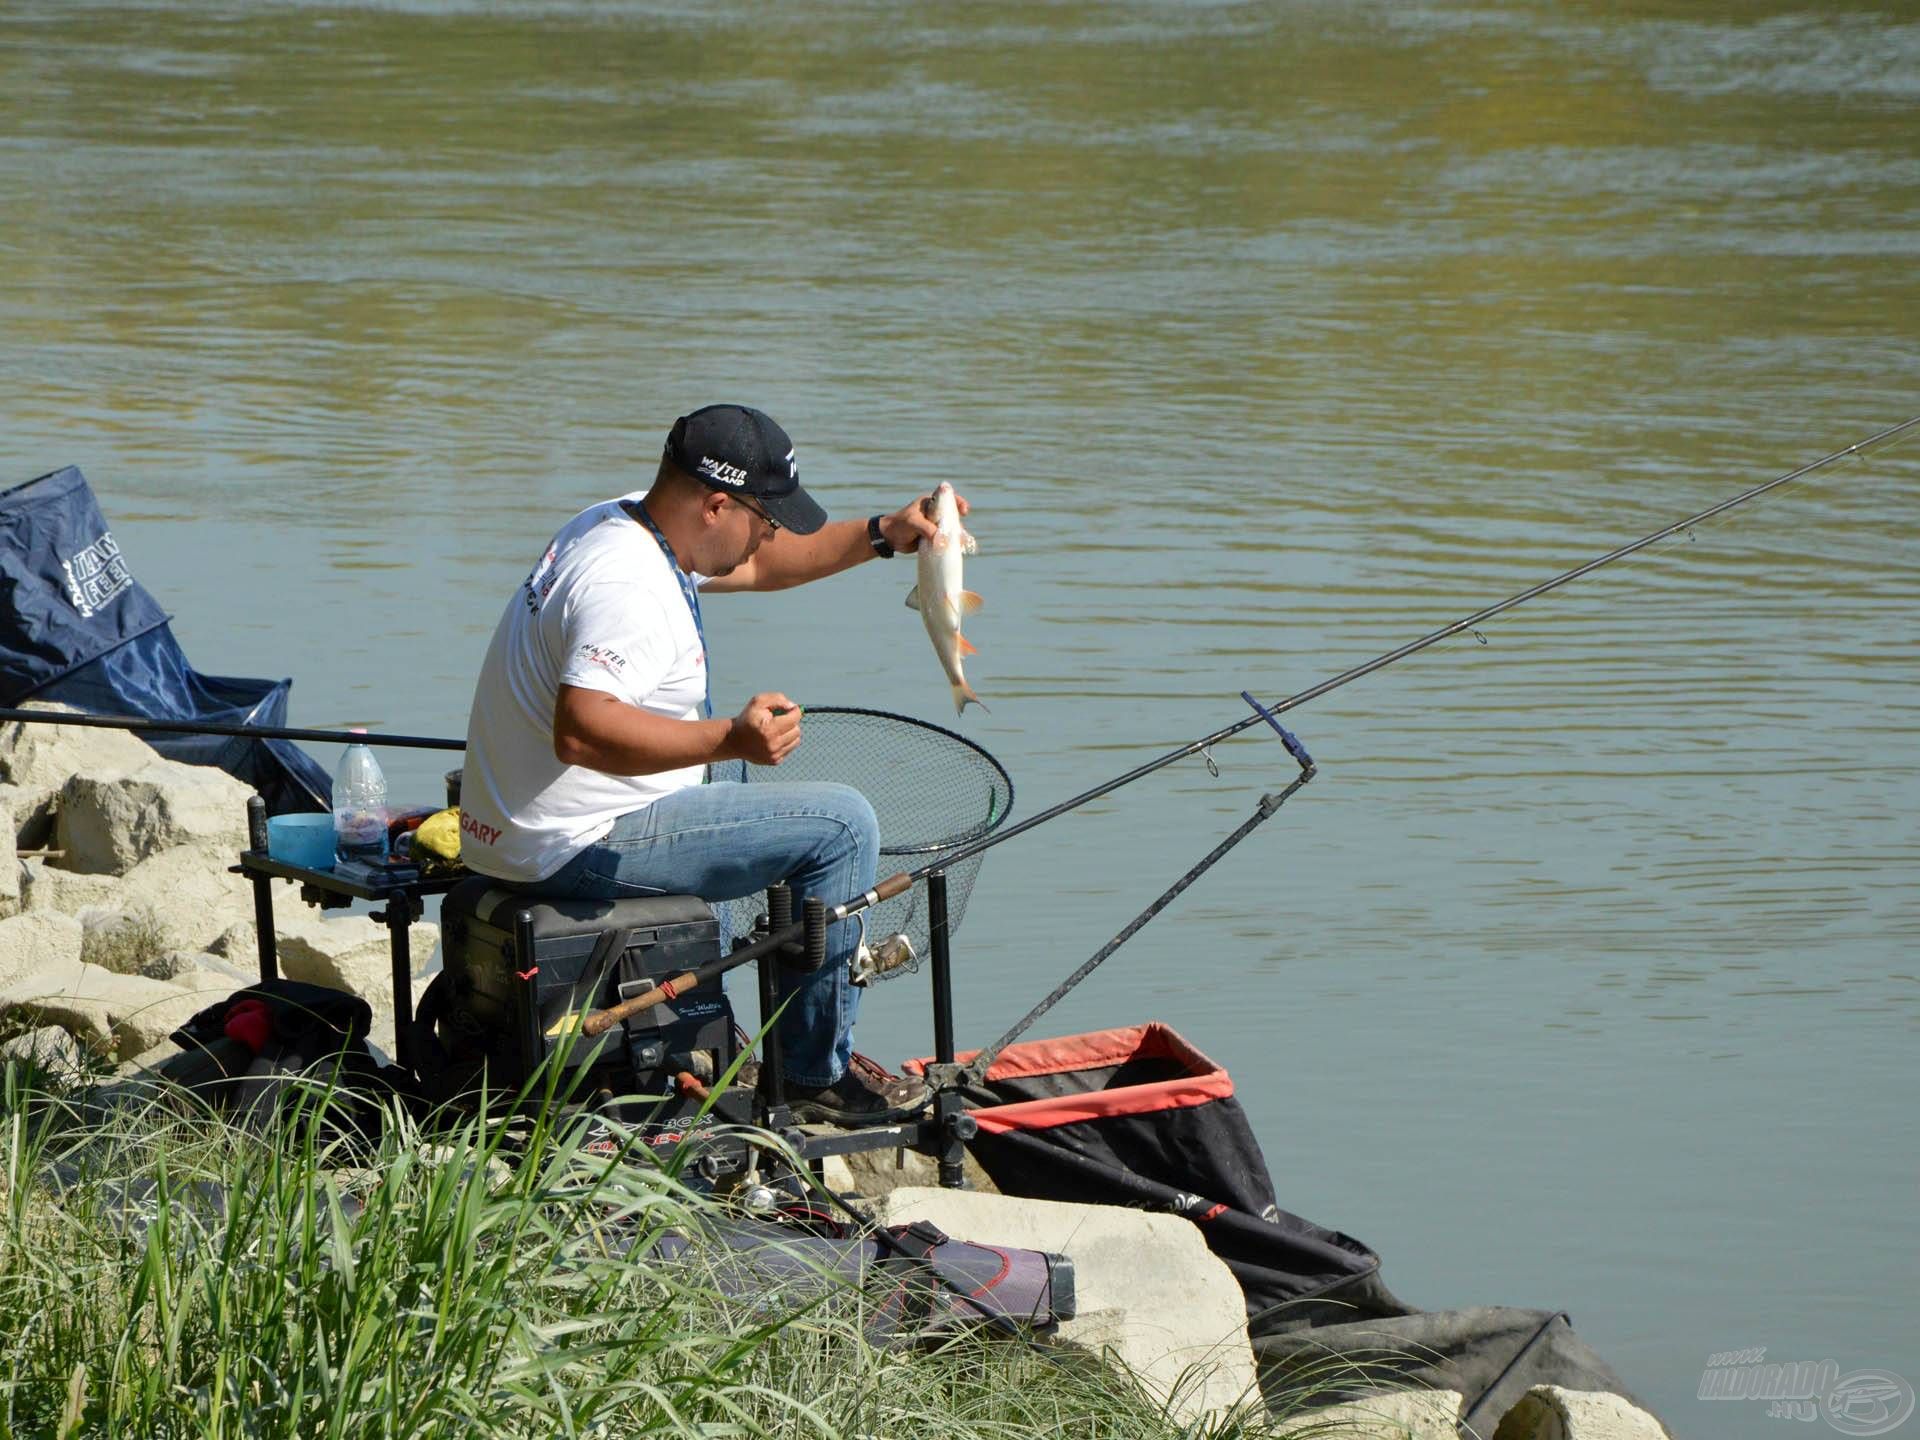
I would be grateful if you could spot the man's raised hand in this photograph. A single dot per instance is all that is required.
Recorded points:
(913, 522)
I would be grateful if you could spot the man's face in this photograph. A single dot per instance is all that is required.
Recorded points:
(734, 530)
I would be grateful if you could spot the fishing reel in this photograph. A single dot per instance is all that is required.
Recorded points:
(891, 957)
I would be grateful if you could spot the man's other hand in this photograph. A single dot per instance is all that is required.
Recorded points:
(765, 732)
(912, 523)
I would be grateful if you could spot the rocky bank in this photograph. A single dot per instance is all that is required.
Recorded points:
(120, 915)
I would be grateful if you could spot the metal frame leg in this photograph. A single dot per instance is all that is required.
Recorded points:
(265, 939)
(263, 927)
(401, 912)
(952, 1124)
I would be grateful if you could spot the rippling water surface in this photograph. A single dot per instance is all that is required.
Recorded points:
(1263, 338)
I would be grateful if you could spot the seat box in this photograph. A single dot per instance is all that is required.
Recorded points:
(519, 964)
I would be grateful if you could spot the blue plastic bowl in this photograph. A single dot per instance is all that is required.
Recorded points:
(305, 840)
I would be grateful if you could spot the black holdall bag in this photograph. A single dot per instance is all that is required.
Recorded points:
(246, 1053)
(1139, 1117)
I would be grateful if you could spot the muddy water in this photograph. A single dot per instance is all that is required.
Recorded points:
(1264, 339)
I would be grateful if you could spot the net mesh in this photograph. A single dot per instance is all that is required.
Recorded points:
(932, 791)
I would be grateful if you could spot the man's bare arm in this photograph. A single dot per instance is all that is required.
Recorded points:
(789, 559)
(599, 732)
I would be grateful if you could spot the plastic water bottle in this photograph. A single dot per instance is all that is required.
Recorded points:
(360, 806)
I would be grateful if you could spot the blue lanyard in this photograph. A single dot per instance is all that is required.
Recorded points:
(687, 589)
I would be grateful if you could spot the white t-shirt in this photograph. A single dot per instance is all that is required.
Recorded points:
(603, 610)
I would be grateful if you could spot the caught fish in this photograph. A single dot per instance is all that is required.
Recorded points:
(939, 598)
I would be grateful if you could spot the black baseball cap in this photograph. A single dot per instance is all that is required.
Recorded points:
(738, 450)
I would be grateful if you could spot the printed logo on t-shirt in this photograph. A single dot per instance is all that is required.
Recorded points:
(721, 471)
(607, 658)
(485, 834)
(540, 583)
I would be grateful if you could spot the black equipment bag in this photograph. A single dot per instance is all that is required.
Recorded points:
(1138, 1117)
(300, 1032)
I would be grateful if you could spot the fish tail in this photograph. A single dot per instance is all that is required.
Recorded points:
(963, 696)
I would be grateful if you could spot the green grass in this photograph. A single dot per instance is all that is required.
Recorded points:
(165, 1274)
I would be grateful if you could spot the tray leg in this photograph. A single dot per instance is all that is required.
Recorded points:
(263, 927)
(401, 912)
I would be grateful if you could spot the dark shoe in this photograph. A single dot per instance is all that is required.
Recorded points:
(859, 1097)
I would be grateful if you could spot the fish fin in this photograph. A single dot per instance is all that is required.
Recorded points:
(967, 647)
(963, 696)
(913, 598)
(970, 603)
(968, 545)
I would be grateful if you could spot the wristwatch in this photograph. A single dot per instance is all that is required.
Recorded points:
(877, 540)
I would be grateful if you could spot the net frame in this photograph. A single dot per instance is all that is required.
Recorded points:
(898, 809)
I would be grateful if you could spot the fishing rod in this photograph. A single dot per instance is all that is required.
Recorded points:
(1413, 647)
(140, 725)
(811, 931)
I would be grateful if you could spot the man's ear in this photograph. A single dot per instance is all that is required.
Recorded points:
(712, 502)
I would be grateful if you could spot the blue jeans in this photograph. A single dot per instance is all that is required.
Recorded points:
(723, 841)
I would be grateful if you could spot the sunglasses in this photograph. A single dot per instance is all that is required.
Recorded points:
(741, 500)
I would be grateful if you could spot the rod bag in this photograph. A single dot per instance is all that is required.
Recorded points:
(77, 629)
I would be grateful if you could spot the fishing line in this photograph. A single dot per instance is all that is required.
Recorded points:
(1469, 623)
(897, 884)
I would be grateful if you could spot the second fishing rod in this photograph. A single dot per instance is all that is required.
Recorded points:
(807, 931)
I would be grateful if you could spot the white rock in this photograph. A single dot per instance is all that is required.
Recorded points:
(349, 952)
(109, 823)
(128, 942)
(873, 1173)
(40, 759)
(11, 902)
(47, 889)
(203, 973)
(1148, 1291)
(239, 943)
(142, 1066)
(31, 944)
(190, 893)
(17, 803)
(49, 1048)
(1547, 1412)
(1390, 1415)
(123, 1013)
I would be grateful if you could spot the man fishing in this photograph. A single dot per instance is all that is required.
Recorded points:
(592, 725)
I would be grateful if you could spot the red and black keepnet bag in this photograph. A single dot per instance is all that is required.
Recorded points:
(1138, 1117)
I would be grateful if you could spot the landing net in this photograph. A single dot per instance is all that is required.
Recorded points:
(932, 791)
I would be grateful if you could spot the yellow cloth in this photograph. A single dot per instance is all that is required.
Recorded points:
(437, 841)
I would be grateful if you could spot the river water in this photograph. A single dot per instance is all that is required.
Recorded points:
(1263, 339)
